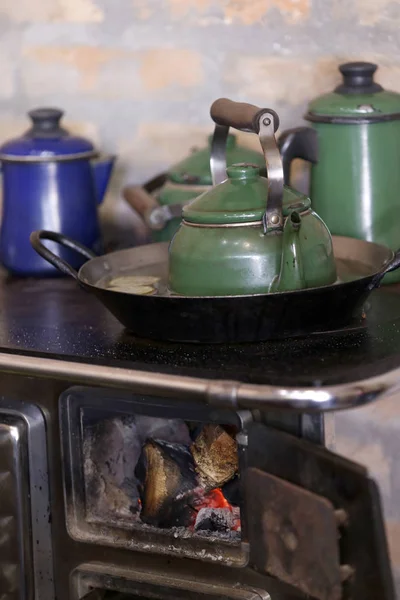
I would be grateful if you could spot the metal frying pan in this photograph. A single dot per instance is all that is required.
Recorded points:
(361, 266)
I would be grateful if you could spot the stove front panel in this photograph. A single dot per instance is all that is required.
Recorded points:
(25, 541)
(15, 553)
(120, 553)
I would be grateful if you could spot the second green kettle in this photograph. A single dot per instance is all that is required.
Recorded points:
(161, 209)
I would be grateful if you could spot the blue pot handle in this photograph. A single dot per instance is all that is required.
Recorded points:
(53, 259)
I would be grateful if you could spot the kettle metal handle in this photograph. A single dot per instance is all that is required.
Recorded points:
(263, 121)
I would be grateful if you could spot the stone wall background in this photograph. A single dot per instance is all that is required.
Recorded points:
(138, 77)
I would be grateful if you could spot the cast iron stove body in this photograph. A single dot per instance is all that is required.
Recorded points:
(306, 523)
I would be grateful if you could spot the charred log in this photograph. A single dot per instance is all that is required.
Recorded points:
(215, 456)
(232, 491)
(170, 485)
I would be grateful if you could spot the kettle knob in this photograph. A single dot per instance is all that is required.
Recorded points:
(358, 78)
(46, 122)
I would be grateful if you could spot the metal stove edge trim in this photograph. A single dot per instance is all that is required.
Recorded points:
(218, 393)
(85, 575)
(41, 541)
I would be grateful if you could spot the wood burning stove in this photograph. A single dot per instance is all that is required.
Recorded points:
(293, 514)
(124, 474)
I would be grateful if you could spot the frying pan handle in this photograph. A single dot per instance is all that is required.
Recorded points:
(391, 266)
(36, 238)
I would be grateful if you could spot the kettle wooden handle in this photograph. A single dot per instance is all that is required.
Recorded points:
(239, 115)
(139, 199)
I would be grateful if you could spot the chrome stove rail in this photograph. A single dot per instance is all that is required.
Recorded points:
(219, 393)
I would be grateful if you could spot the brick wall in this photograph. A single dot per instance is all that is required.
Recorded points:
(138, 77)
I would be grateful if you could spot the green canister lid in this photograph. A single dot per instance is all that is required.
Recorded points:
(358, 99)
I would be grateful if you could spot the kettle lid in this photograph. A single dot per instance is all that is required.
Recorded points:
(195, 169)
(240, 199)
(358, 99)
(46, 141)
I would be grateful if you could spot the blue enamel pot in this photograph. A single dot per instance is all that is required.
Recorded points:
(50, 180)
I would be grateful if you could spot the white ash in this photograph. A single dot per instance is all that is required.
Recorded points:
(115, 448)
(111, 451)
(109, 493)
(230, 537)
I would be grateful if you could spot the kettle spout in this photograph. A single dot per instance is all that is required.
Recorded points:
(102, 168)
(291, 275)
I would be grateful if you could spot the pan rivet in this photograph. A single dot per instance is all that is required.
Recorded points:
(274, 219)
(266, 121)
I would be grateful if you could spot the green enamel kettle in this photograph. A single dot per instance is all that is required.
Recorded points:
(248, 234)
(160, 201)
(354, 147)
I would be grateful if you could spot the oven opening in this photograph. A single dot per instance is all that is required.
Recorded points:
(181, 477)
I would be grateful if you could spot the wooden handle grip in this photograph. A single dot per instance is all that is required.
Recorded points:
(239, 115)
(139, 199)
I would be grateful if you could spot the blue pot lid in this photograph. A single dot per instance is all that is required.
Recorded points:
(46, 141)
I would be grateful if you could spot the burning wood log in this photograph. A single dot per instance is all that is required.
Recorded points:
(170, 484)
(215, 456)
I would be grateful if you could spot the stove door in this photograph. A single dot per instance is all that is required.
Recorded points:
(25, 542)
(313, 519)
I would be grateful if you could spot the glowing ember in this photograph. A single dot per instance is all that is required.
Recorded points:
(215, 499)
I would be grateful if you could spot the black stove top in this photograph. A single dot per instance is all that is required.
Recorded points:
(55, 318)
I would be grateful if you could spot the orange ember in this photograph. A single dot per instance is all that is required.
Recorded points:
(216, 499)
